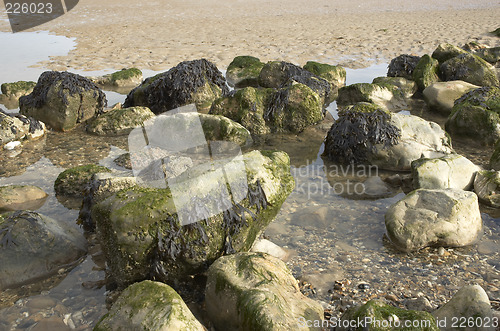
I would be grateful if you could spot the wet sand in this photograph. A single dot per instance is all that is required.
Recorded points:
(157, 35)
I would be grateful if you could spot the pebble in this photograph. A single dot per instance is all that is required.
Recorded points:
(11, 145)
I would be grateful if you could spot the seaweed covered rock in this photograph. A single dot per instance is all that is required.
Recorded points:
(426, 72)
(489, 54)
(446, 51)
(470, 303)
(378, 316)
(386, 96)
(21, 197)
(335, 75)
(449, 171)
(17, 89)
(73, 181)
(495, 157)
(403, 66)
(34, 246)
(244, 71)
(367, 134)
(124, 78)
(62, 100)
(477, 114)
(119, 121)
(487, 187)
(19, 127)
(448, 218)
(469, 68)
(197, 81)
(407, 87)
(441, 96)
(255, 291)
(150, 306)
(170, 233)
(280, 74)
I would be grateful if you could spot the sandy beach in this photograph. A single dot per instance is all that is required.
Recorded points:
(157, 35)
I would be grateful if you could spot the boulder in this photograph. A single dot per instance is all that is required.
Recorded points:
(62, 100)
(170, 233)
(244, 71)
(150, 306)
(449, 171)
(198, 82)
(448, 218)
(19, 197)
(19, 127)
(220, 128)
(477, 114)
(445, 51)
(335, 75)
(490, 55)
(441, 96)
(403, 66)
(255, 291)
(34, 247)
(119, 121)
(407, 87)
(17, 89)
(365, 134)
(73, 181)
(495, 157)
(486, 186)
(124, 78)
(388, 97)
(426, 72)
(470, 303)
(378, 316)
(469, 68)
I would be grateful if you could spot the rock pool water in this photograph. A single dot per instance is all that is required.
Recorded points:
(335, 240)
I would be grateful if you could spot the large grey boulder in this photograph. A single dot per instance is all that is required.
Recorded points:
(469, 68)
(448, 218)
(151, 306)
(21, 197)
(34, 246)
(244, 71)
(20, 127)
(449, 171)
(62, 100)
(441, 96)
(365, 134)
(119, 121)
(470, 304)
(487, 187)
(256, 291)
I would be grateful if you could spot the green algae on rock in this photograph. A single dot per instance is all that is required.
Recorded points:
(151, 306)
(17, 89)
(335, 75)
(407, 87)
(426, 72)
(244, 71)
(256, 291)
(446, 51)
(386, 96)
(469, 68)
(73, 181)
(119, 121)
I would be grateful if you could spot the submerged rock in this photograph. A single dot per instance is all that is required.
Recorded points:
(441, 96)
(21, 197)
(20, 127)
(449, 171)
(244, 71)
(389, 97)
(34, 246)
(470, 303)
(255, 291)
(382, 316)
(198, 82)
(365, 134)
(149, 306)
(73, 181)
(403, 66)
(426, 72)
(446, 51)
(62, 100)
(477, 114)
(487, 187)
(170, 233)
(119, 121)
(17, 89)
(448, 218)
(469, 68)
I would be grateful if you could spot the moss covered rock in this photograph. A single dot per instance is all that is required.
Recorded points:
(426, 72)
(469, 68)
(61, 100)
(489, 54)
(73, 181)
(255, 291)
(151, 306)
(378, 316)
(19, 127)
(446, 51)
(448, 218)
(487, 187)
(17, 89)
(335, 75)
(221, 128)
(495, 157)
(477, 114)
(403, 66)
(124, 78)
(405, 86)
(21, 197)
(244, 71)
(198, 82)
(142, 235)
(386, 96)
(441, 96)
(119, 121)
